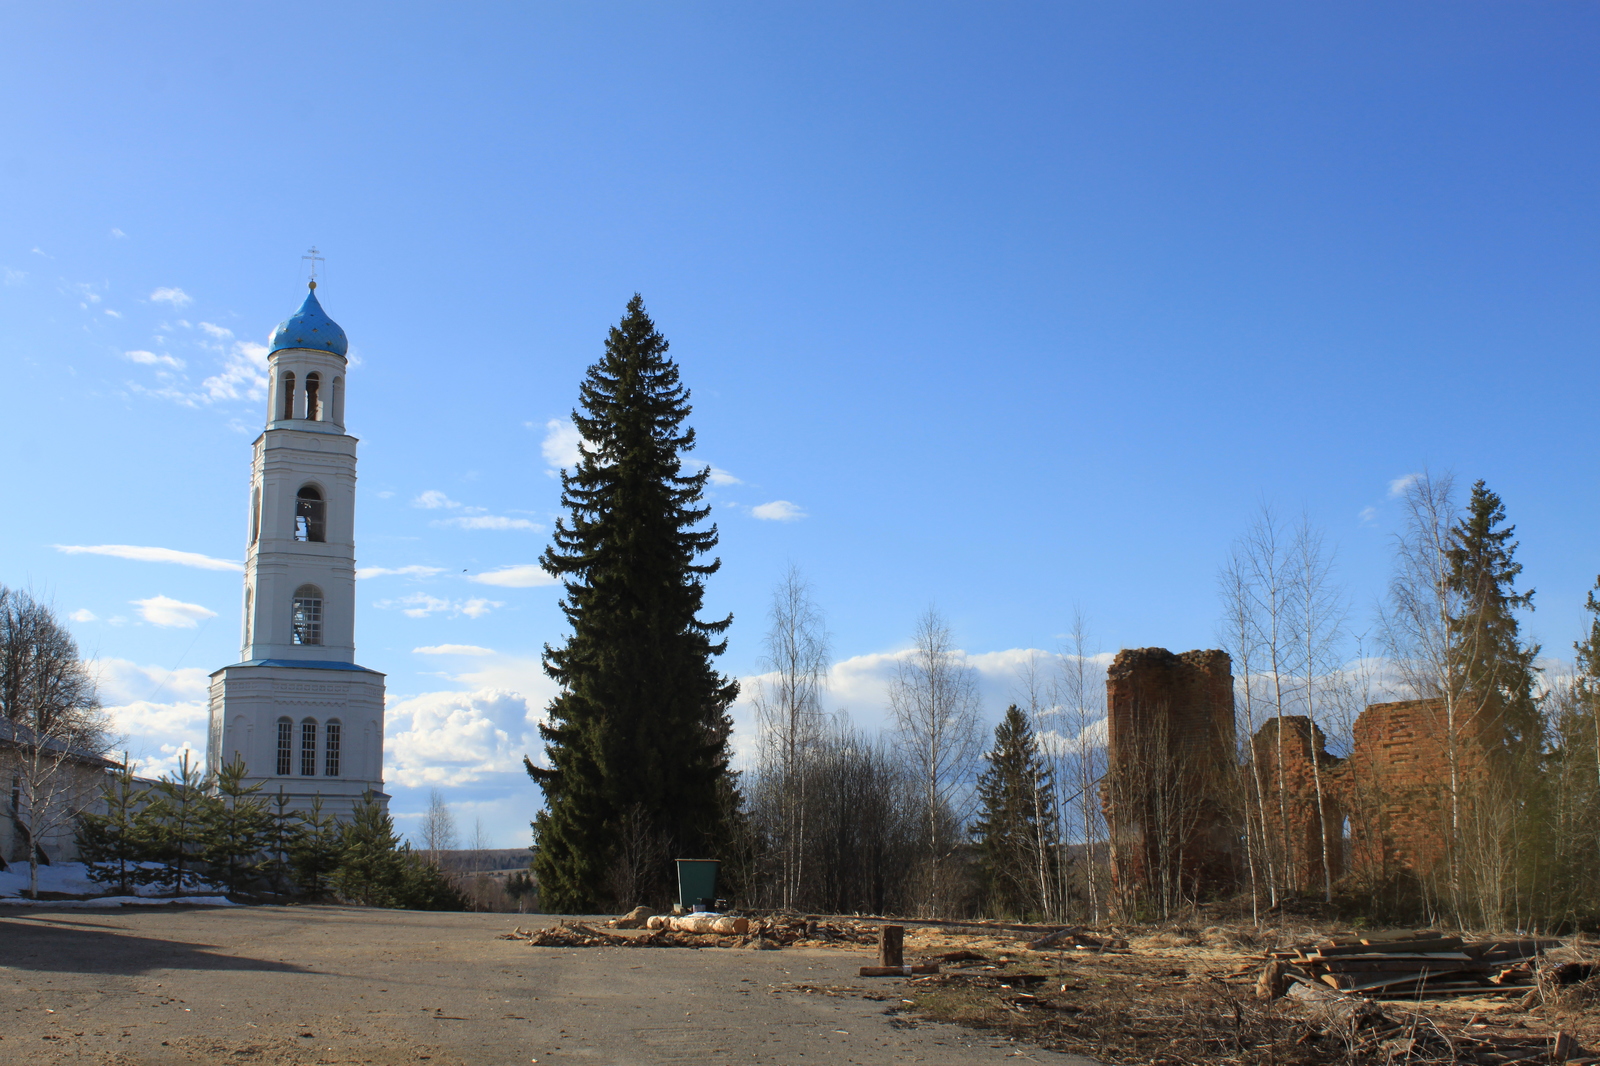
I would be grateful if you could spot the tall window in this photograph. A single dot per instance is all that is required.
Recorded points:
(310, 515)
(313, 406)
(308, 748)
(330, 747)
(255, 514)
(338, 400)
(308, 615)
(288, 394)
(285, 747)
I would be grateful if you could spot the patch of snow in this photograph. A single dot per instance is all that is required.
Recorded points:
(72, 878)
(121, 901)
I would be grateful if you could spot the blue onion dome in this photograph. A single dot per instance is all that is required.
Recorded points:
(309, 327)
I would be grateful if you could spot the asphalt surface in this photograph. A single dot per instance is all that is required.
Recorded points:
(302, 985)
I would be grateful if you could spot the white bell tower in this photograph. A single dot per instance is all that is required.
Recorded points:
(304, 717)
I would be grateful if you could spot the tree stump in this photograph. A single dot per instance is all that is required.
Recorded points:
(891, 946)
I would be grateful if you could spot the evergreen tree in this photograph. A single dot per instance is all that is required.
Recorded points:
(640, 722)
(177, 814)
(316, 849)
(1494, 671)
(236, 829)
(113, 844)
(1016, 829)
(376, 871)
(370, 866)
(284, 832)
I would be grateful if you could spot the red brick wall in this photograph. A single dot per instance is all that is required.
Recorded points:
(1183, 706)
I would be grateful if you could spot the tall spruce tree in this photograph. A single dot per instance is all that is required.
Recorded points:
(1017, 821)
(1495, 671)
(641, 722)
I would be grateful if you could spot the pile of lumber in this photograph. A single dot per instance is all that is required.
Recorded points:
(1409, 965)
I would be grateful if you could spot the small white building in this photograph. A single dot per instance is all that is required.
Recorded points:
(306, 719)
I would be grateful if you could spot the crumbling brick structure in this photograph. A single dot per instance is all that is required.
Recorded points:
(1170, 773)
(1290, 754)
(1392, 794)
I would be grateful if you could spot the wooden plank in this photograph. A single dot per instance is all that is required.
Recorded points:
(1452, 943)
(1353, 983)
(899, 971)
(1400, 965)
(1395, 956)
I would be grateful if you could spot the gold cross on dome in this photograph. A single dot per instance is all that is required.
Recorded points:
(315, 259)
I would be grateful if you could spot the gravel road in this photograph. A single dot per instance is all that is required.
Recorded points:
(304, 985)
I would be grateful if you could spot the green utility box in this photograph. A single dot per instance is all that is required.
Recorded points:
(697, 883)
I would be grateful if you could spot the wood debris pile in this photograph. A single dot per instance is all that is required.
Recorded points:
(1366, 1033)
(700, 931)
(569, 934)
(1408, 966)
(1078, 940)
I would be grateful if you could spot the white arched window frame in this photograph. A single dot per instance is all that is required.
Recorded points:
(307, 619)
(332, 741)
(286, 394)
(308, 747)
(310, 514)
(314, 396)
(285, 747)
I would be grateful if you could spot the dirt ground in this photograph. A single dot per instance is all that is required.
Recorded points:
(304, 985)
(1187, 996)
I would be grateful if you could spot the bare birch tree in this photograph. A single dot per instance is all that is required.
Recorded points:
(438, 827)
(51, 711)
(1416, 629)
(934, 701)
(1239, 639)
(1081, 696)
(788, 703)
(1319, 620)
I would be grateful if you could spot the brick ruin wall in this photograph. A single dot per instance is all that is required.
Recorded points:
(1169, 721)
(1390, 794)
(1385, 807)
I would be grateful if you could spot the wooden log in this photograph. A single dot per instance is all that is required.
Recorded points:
(891, 945)
(714, 924)
(899, 971)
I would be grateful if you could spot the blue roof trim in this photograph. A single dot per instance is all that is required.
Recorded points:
(305, 664)
(309, 327)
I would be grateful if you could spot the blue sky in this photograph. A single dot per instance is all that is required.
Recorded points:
(1017, 308)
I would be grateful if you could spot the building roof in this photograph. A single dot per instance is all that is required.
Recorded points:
(19, 735)
(310, 327)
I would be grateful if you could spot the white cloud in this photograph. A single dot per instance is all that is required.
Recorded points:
(560, 445)
(219, 332)
(151, 555)
(452, 649)
(113, 314)
(125, 681)
(154, 733)
(14, 277)
(457, 738)
(433, 500)
(720, 476)
(152, 359)
(521, 576)
(490, 521)
(777, 511)
(397, 571)
(171, 613)
(1399, 485)
(243, 377)
(117, 233)
(174, 296)
(83, 614)
(1368, 516)
(421, 605)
